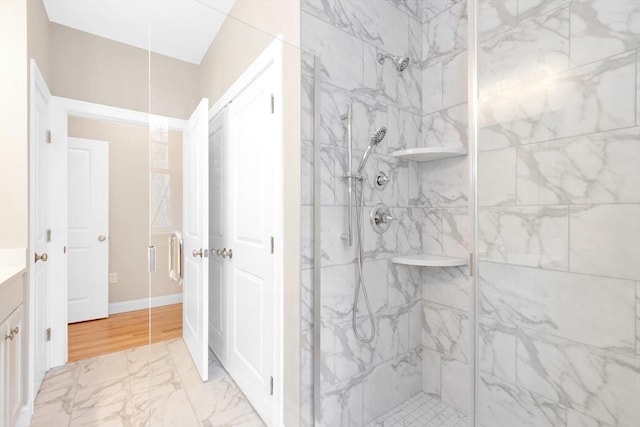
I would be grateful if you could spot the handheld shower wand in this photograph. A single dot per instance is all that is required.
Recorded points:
(375, 139)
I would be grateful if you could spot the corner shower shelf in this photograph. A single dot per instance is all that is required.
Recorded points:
(429, 153)
(426, 260)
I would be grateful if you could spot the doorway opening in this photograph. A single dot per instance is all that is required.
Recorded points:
(124, 188)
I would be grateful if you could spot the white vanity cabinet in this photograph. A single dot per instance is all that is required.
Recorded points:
(13, 338)
(12, 334)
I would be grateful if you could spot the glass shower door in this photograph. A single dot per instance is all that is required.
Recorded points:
(559, 213)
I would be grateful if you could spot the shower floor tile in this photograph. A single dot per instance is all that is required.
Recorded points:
(422, 410)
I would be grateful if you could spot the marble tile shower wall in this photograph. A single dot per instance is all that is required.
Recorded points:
(442, 192)
(424, 105)
(559, 221)
(361, 381)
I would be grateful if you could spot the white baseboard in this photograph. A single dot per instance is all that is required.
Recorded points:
(141, 304)
(24, 419)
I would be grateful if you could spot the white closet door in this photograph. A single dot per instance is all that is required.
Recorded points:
(195, 316)
(250, 218)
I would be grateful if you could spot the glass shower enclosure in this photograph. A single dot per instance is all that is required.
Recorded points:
(504, 286)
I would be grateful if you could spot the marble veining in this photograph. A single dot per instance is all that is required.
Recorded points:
(402, 378)
(446, 128)
(497, 177)
(602, 28)
(592, 98)
(446, 330)
(497, 349)
(456, 389)
(534, 49)
(600, 384)
(616, 228)
(531, 236)
(445, 33)
(561, 304)
(497, 16)
(504, 404)
(596, 168)
(442, 183)
(152, 385)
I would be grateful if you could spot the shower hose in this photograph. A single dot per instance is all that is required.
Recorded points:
(361, 282)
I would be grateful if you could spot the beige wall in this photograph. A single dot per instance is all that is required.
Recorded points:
(94, 69)
(14, 177)
(38, 36)
(240, 40)
(129, 206)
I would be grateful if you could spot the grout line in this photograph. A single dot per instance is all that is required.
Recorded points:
(562, 138)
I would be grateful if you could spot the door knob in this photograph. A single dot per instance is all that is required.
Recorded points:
(197, 253)
(44, 257)
(226, 253)
(101, 238)
(12, 333)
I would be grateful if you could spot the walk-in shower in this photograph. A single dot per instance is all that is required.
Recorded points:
(504, 292)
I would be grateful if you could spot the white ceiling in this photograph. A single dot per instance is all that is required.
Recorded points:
(181, 29)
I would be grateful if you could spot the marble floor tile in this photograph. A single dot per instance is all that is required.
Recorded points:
(155, 385)
(101, 369)
(55, 419)
(111, 414)
(164, 407)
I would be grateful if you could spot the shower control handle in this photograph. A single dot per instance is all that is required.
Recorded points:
(384, 218)
(381, 218)
(382, 179)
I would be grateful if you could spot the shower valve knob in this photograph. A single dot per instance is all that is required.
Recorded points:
(382, 179)
(384, 219)
(381, 218)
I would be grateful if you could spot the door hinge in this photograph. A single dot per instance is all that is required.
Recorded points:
(273, 104)
(49, 235)
(471, 264)
(48, 334)
(271, 387)
(272, 245)
(49, 139)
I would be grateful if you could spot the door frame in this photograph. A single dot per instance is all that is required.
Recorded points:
(272, 56)
(61, 110)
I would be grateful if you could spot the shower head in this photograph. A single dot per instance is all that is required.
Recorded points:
(375, 139)
(401, 62)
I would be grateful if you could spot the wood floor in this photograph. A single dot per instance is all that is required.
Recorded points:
(123, 331)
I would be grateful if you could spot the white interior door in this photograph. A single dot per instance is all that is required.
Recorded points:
(88, 229)
(40, 227)
(217, 266)
(195, 197)
(250, 216)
